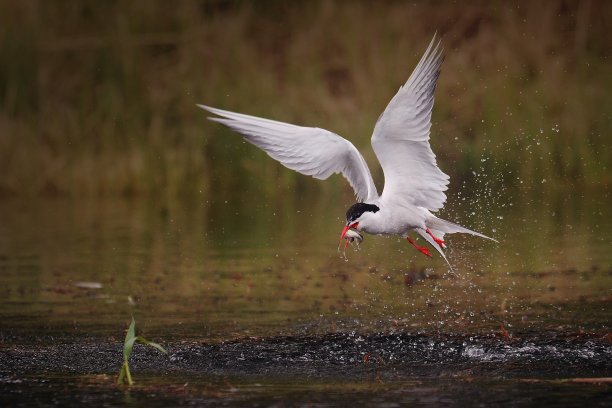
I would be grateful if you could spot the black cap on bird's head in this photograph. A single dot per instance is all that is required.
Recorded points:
(357, 209)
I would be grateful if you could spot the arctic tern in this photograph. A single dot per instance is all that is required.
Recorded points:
(414, 185)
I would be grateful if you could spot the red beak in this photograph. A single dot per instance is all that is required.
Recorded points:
(345, 229)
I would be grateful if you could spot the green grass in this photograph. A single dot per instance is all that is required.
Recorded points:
(125, 376)
(99, 98)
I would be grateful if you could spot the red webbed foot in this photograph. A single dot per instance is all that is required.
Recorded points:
(436, 239)
(419, 248)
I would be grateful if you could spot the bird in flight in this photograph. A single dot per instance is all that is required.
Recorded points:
(414, 185)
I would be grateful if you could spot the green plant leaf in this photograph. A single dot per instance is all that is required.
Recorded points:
(128, 346)
(130, 337)
(146, 342)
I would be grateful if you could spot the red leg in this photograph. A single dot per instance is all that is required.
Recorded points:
(422, 249)
(438, 240)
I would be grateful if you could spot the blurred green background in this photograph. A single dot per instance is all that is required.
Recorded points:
(110, 173)
(97, 98)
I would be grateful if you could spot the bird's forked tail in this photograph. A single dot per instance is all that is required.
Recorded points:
(437, 227)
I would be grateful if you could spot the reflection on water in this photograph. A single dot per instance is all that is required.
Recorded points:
(199, 391)
(217, 270)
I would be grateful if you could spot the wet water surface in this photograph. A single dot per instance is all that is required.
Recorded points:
(256, 306)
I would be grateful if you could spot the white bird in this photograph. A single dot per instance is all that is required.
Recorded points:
(414, 185)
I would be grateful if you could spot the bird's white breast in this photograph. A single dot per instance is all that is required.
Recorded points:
(393, 220)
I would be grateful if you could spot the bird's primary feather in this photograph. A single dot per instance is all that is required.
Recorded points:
(311, 151)
(401, 140)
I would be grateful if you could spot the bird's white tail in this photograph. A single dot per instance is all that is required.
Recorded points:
(438, 227)
(436, 224)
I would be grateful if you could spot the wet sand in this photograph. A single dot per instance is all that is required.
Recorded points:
(573, 368)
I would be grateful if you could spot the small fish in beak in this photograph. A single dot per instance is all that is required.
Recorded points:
(350, 234)
(353, 235)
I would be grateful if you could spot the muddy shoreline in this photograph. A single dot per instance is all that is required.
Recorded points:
(529, 369)
(340, 355)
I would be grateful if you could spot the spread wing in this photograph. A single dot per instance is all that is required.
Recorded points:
(401, 139)
(311, 151)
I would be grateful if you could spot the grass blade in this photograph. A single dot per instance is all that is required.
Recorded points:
(128, 346)
(130, 337)
(146, 342)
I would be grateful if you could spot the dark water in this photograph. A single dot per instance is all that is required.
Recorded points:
(543, 368)
(257, 307)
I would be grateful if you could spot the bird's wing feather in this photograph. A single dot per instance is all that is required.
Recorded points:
(311, 151)
(401, 139)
